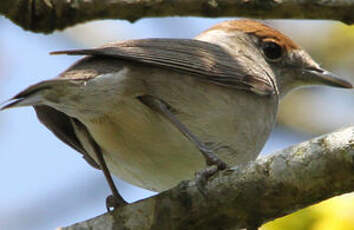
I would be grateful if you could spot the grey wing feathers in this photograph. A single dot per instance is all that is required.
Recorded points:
(207, 61)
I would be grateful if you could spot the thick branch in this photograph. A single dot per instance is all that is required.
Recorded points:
(49, 15)
(264, 190)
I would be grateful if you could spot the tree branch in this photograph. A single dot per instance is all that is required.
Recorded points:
(251, 195)
(49, 15)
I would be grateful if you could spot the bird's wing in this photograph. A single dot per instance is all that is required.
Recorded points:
(204, 60)
(207, 61)
(61, 125)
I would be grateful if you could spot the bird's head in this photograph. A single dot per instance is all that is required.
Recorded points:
(264, 48)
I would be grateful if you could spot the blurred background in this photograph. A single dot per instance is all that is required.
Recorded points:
(45, 184)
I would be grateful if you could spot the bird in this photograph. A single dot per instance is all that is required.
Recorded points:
(154, 112)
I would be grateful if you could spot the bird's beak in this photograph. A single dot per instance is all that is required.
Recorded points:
(21, 102)
(33, 95)
(323, 77)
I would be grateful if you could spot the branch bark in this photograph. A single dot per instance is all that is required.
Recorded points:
(48, 15)
(246, 196)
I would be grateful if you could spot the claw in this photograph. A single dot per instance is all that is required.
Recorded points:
(113, 203)
(201, 178)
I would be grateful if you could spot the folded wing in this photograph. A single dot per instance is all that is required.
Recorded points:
(206, 61)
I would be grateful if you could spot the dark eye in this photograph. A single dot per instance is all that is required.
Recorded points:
(272, 51)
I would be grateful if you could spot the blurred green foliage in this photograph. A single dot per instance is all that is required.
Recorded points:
(338, 48)
(334, 214)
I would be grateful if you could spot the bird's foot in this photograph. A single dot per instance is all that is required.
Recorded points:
(211, 158)
(202, 176)
(214, 163)
(113, 203)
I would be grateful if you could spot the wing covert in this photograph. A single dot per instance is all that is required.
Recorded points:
(207, 61)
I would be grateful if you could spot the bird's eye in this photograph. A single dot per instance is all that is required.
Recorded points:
(272, 51)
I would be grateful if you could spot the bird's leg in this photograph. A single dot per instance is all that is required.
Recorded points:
(211, 158)
(115, 200)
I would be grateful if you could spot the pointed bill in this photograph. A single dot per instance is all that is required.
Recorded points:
(21, 102)
(326, 78)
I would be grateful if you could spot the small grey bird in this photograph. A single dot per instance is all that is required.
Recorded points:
(159, 110)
